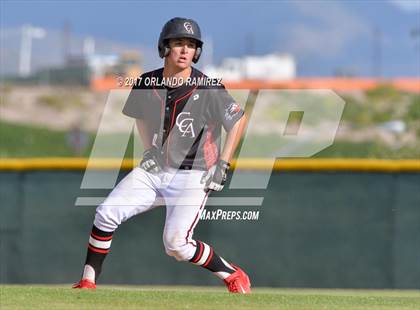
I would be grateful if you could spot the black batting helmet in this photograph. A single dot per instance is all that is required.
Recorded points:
(179, 27)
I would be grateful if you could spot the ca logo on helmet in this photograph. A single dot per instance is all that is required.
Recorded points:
(185, 125)
(188, 27)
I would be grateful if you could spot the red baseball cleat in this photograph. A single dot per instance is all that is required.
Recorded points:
(85, 283)
(238, 282)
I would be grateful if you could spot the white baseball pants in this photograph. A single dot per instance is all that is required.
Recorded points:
(180, 190)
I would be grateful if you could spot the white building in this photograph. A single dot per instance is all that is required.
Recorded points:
(266, 68)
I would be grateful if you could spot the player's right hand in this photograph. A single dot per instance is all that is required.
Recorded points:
(151, 161)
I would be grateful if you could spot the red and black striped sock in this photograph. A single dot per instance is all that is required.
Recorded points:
(99, 246)
(205, 256)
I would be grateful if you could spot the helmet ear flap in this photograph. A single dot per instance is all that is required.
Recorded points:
(197, 54)
(166, 51)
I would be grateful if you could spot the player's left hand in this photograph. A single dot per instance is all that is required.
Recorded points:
(215, 177)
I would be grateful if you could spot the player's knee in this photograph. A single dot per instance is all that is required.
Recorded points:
(175, 247)
(105, 218)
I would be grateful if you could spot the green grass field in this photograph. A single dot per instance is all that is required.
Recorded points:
(159, 297)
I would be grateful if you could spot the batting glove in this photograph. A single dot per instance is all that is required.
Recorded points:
(151, 161)
(215, 177)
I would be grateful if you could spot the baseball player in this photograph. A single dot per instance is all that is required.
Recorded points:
(179, 117)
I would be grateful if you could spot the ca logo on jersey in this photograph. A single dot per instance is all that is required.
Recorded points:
(185, 124)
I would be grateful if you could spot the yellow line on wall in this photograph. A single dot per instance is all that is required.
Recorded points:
(379, 165)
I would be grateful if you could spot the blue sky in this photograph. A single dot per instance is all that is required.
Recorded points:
(323, 35)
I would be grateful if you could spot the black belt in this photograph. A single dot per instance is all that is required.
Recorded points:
(185, 167)
(189, 167)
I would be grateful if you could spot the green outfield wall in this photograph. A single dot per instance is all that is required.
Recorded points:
(332, 227)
